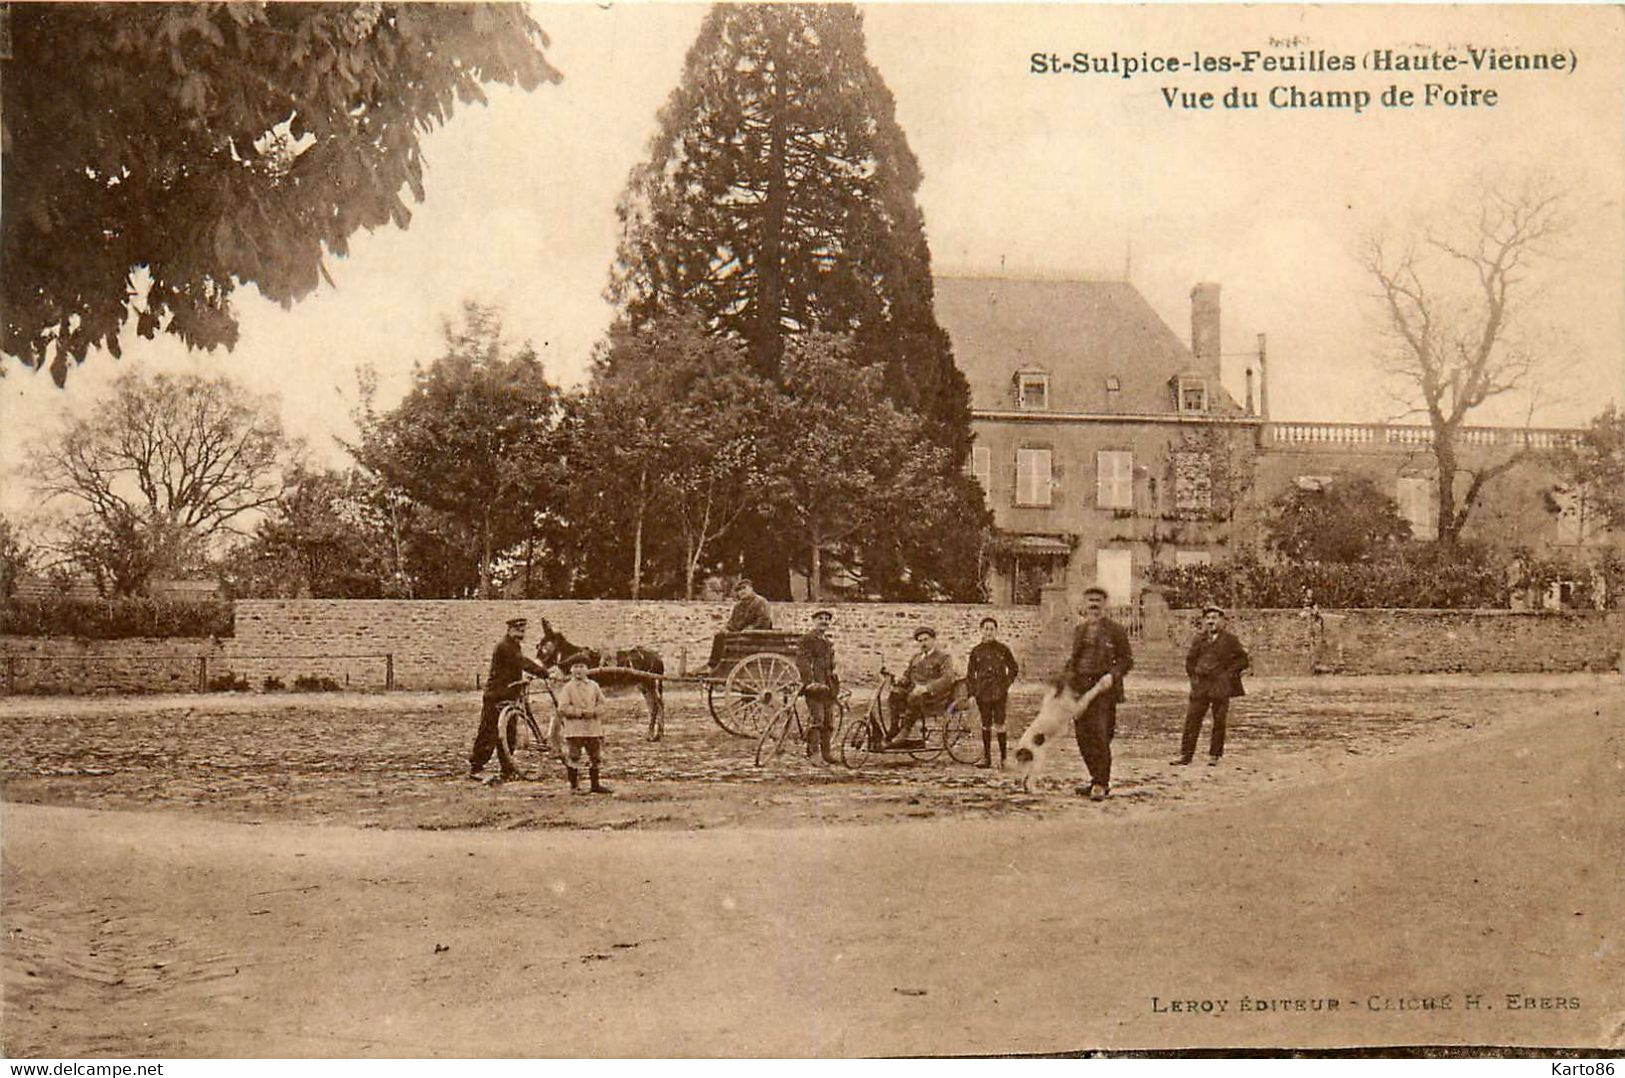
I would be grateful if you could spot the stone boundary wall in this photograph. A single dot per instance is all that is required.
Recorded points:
(1419, 641)
(446, 644)
(48, 664)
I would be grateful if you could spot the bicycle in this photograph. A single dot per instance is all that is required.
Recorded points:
(518, 729)
(777, 729)
(949, 730)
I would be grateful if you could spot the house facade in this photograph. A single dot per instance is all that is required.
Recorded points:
(1106, 442)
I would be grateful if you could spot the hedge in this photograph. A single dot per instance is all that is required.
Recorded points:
(1428, 581)
(115, 619)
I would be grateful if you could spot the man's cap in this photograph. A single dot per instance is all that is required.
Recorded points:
(742, 582)
(577, 658)
(1095, 589)
(517, 623)
(825, 614)
(1212, 608)
(924, 631)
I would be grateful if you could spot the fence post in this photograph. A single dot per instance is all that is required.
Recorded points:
(11, 674)
(389, 670)
(202, 673)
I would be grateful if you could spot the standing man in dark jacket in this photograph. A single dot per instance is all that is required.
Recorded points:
(1214, 663)
(750, 612)
(508, 666)
(1099, 648)
(989, 674)
(815, 659)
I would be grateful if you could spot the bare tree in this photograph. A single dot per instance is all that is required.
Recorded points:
(158, 471)
(1456, 303)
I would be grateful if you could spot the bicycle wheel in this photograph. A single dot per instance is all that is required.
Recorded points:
(774, 735)
(518, 737)
(961, 731)
(856, 741)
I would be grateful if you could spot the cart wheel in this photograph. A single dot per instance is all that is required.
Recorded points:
(518, 737)
(855, 742)
(756, 688)
(961, 731)
(775, 734)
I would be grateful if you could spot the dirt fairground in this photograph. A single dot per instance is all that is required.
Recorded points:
(262, 890)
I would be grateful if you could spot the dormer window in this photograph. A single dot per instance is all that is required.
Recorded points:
(1032, 390)
(1114, 384)
(1190, 393)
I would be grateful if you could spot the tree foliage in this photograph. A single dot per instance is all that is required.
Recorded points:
(312, 543)
(1455, 303)
(159, 471)
(778, 201)
(16, 556)
(1593, 472)
(474, 442)
(211, 144)
(1348, 520)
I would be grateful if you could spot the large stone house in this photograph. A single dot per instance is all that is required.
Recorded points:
(1106, 442)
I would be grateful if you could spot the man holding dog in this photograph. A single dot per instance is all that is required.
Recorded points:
(1100, 648)
(1215, 663)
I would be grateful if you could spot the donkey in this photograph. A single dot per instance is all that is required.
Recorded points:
(554, 648)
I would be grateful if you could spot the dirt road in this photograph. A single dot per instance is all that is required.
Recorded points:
(1483, 862)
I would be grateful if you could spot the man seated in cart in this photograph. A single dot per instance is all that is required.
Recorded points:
(750, 612)
(926, 688)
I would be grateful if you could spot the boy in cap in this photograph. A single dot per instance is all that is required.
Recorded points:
(1099, 647)
(579, 701)
(928, 683)
(989, 672)
(502, 684)
(815, 659)
(1215, 662)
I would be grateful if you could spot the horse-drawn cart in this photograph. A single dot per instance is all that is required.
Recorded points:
(756, 679)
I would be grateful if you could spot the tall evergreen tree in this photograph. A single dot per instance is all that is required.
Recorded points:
(778, 200)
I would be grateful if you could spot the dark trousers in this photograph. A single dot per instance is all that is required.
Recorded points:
(485, 741)
(1197, 708)
(1095, 729)
(716, 649)
(818, 710)
(992, 713)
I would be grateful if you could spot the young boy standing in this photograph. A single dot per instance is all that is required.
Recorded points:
(989, 674)
(579, 701)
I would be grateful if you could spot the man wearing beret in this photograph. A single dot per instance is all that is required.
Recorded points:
(508, 666)
(1215, 662)
(1100, 648)
(928, 684)
(815, 659)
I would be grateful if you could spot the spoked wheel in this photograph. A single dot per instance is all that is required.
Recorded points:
(518, 738)
(757, 688)
(857, 739)
(961, 732)
(775, 734)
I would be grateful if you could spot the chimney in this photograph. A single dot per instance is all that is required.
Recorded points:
(1205, 328)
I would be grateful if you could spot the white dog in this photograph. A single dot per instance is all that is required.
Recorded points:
(1055, 715)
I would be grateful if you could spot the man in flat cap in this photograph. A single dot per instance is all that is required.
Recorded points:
(1099, 648)
(508, 667)
(815, 659)
(1215, 662)
(927, 685)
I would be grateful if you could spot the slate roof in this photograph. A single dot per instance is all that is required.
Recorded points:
(1081, 332)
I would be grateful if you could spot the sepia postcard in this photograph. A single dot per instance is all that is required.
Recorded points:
(898, 530)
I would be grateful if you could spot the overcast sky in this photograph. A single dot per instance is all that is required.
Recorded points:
(1067, 176)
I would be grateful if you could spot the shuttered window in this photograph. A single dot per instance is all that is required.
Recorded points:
(1033, 477)
(981, 466)
(1114, 479)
